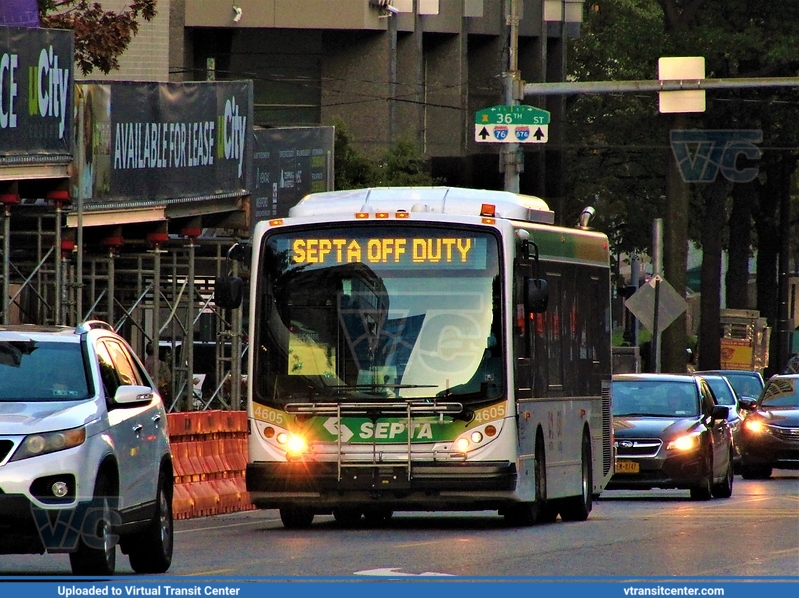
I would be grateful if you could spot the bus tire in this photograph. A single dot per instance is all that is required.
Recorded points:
(577, 508)
(528, 513)
(296, 517)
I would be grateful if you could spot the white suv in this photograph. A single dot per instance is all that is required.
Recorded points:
(84, 450)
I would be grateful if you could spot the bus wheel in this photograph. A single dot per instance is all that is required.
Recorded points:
(528, 513)
(296, 517)
(577, 508)
(347, 516)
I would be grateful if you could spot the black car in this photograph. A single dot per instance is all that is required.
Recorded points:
(725, 395)
(670, 433)
(771, 428)
(746, 383)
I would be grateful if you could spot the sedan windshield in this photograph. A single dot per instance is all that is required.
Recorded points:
(650, 398)
(41, 371)
(379, 313)
(722, 391)
(745, 385)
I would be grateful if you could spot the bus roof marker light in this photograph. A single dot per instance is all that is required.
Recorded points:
(276, 222)
(402, 214)
(489, 210)
(381, 215)
(361, 215)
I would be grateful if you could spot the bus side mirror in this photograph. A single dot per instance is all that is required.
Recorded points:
(536, 295)
(228, 292)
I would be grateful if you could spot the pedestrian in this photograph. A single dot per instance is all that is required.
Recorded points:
(159, 371)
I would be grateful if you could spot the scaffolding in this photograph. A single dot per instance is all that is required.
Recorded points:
(153, 281)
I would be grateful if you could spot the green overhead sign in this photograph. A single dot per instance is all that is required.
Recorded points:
(511, 124)
(512, 115)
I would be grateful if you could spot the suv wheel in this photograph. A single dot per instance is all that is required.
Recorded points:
(96, 553)
(151, 550)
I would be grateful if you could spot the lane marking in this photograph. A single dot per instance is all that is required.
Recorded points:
(394, 572)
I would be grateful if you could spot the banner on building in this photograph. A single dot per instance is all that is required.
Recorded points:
(36, 88)
(19, 13)
(288, 164)
(162, 141)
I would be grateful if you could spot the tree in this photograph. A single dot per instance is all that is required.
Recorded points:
(101, 36)
(401, 165)
(622, 39)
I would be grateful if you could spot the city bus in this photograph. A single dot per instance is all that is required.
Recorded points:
(426, 349)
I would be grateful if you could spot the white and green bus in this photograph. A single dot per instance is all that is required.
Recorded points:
(425, 349)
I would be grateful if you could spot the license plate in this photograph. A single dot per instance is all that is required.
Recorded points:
(627, 467)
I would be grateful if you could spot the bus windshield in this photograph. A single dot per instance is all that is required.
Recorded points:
(378, 313)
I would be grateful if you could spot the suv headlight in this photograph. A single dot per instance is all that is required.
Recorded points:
(40, 444)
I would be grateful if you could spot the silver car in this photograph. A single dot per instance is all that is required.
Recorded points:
(85, 463)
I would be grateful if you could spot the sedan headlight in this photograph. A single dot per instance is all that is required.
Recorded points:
(35, 445)
(755, 426)
(688, 442)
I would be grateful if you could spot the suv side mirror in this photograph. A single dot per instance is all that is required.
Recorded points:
(720, 412)
(133, 395)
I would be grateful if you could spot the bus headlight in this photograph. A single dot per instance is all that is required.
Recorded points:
(475, 438)
(296, 444)
(293, 444)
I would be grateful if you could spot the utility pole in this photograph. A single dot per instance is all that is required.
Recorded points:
(511, 160)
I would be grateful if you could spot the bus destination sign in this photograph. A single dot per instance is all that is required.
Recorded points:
(391, 252)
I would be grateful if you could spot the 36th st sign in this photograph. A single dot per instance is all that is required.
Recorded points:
(511, 124)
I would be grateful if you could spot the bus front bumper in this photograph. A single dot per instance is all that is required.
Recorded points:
(273, 485)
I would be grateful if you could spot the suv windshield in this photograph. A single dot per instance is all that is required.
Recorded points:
(379, 313)
(42, 371)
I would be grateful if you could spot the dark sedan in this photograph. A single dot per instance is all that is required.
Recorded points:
(746, 383)
(726, 395)
(670, 433)
(771, 428)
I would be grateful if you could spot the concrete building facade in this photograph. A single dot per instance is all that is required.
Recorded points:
(387, 69)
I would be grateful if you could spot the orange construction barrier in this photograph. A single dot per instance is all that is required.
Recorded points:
(209, 458)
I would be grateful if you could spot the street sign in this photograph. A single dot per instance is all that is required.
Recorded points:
(511, 124)
(670, 304)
